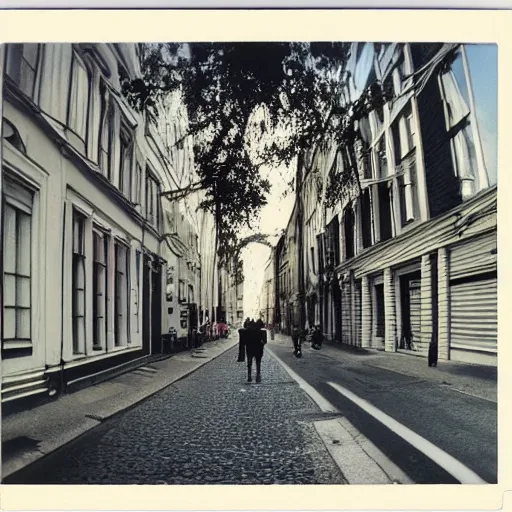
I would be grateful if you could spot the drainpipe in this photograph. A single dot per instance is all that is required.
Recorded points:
(61, 371)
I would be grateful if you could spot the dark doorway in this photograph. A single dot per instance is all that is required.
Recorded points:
(433, 348)
(336, 297)
(192, 324)
(410, 299)
(146, 304)
(156, 309)
(380, 316)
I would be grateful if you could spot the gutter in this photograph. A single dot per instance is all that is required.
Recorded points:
(62, 362)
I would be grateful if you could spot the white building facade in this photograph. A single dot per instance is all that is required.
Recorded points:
(85, 253)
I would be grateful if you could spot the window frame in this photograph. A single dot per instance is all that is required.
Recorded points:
(107, 122)
(19, 207)
(14, 67)
(127, 152)
(78, 258)
(153, 193)
(76, 60)
(124, 323)
(98, 343)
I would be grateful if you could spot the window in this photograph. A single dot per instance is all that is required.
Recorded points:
(182, 296)
(22, 64)
(320, 246)
(460, 131)
(152, 194)
(125, 169)
(365, 160)
(79, 99)
(382, 161)
(399, 75)
(349, 223)
(137, 185)
(106, 137)
(405, 155)
(333, 243)
(78, 283)
(122, 285)
(17, 226)
(366, 218)
(384, 191)
(100, 280)
(409, 132)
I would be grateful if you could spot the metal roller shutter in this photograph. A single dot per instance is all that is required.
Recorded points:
(346, 315)
(357, 307)
(415, 305)
(475, 257)
(474, 315)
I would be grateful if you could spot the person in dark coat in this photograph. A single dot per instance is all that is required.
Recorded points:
(255, 340)
(317, 337)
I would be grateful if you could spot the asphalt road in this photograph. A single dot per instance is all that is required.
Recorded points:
(463, 426)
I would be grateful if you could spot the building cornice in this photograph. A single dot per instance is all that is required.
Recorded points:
(431, 235)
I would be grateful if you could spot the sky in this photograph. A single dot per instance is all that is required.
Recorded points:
(273, 218)
(483, 66)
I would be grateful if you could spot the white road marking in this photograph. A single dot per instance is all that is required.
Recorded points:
(462, 473)
(366, 465)
(325, 405)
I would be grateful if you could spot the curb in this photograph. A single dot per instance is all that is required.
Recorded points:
(101, 421)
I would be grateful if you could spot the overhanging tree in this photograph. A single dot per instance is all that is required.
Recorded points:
(253, 104)
(249, 104)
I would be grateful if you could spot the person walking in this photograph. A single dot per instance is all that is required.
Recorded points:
(296, 338)
(255, 340)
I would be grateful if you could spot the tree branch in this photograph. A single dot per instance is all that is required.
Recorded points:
(181, 193)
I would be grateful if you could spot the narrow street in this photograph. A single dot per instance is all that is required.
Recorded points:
(213, 427)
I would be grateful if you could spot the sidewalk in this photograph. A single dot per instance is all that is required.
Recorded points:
(476, 380)
(32, 434)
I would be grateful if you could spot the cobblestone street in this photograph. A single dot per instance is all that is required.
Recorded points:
(210, 428)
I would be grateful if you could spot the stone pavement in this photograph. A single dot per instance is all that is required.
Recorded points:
(212, 427)
(32, 434)
(476, 380)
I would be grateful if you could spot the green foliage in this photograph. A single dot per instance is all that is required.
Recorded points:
(298, 89)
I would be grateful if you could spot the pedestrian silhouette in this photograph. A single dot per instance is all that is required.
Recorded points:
(254, 339)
